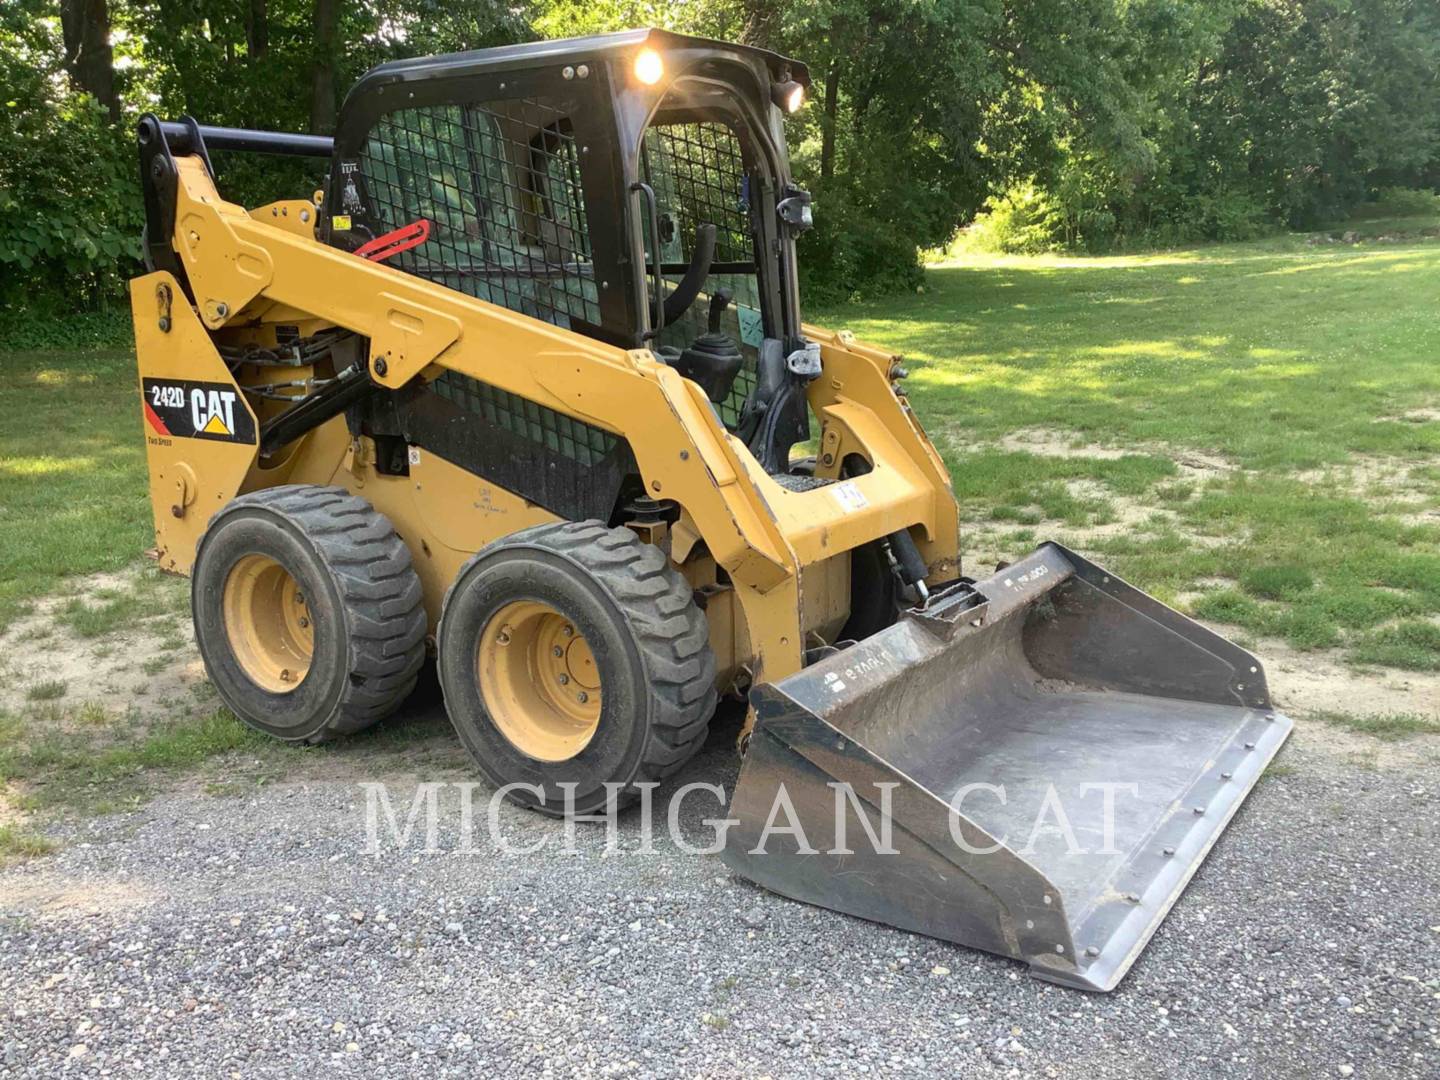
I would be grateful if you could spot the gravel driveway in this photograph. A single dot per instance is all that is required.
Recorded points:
(252, 936)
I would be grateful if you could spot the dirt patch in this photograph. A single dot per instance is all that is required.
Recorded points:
(982, 549)
(1427, 517)
(1320, 680)
(1048, 443)
(1130, 515)
(1372, 477)
(1044, 442)
(985, 543)
(1304, 684)
(152, 662)
(1426, 415)
(1348, 749)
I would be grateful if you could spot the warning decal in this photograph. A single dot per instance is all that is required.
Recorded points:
(850, 497)
(197, 410)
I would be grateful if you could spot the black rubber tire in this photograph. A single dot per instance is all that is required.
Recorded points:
(874, 594)
(650, 640)
(364, 599)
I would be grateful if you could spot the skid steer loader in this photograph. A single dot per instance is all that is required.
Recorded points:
(526, 384)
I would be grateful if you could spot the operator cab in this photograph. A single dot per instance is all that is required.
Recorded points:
(633, 187)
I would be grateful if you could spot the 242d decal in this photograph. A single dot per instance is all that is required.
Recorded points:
(197, 410)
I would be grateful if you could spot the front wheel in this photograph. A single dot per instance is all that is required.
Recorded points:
(574, 653)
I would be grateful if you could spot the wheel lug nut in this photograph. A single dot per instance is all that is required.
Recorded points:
(304, 622)
(582, 697)
(569, 631)
(564, 679)
(557, 651)
(503, 637)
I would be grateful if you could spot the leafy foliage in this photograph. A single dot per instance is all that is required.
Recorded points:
(1255, 114)
(70, 214)
(1074, 124)
(1024, 220)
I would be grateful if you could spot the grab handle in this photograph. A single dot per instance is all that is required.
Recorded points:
(657, 309)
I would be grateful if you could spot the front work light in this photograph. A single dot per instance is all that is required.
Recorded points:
(788, 95)
(649, 67)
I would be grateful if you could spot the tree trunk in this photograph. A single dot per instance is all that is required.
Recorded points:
(322, 77)
(827, 121)
(759, 20)
(257, 29)
(85, 25)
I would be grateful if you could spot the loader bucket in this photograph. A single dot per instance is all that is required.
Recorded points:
(980, 727)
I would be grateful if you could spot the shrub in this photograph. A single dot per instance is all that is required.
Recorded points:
(849, 255)
(1407, 202)
(44, 323)
(70, 210)
(1023, 220)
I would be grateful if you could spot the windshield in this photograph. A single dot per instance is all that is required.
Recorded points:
(700, 177)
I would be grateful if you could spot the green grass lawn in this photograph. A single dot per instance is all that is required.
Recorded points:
(1311, 372)
(1309, 375)
(72, 471)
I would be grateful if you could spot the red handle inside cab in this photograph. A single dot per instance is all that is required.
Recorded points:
(396, 241)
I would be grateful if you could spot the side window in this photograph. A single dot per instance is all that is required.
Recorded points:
(698, 172)
(500, 184)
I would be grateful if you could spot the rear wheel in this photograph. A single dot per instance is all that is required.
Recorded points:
(308, 612)
(574, 654)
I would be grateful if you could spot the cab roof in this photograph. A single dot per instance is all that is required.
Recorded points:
(595, 48)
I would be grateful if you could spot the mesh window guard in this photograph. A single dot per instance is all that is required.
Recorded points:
(500, 184)
(698, 172)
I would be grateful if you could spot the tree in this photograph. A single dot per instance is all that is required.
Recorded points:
(322, 72)
(257, 30)
(1099, 122)
(69, 198)
(88, 55)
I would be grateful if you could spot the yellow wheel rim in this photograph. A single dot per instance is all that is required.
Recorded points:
(539, 681)
(268, 623)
